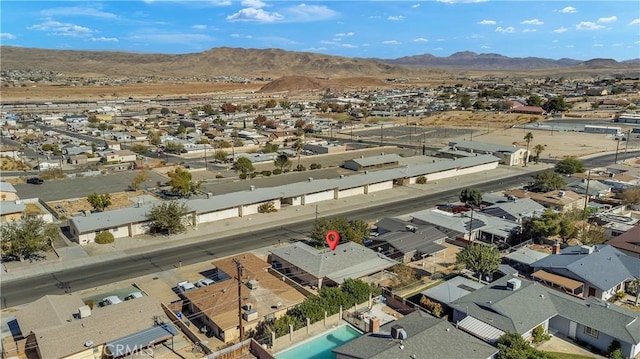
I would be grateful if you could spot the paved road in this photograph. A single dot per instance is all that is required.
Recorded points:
(25, 290)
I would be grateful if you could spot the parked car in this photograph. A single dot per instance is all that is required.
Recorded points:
(134, 295)
(186, 286)
(204, 282)
(110, 300)
(35, 180)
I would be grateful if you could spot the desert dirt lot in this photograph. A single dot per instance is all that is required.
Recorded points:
(68, 207)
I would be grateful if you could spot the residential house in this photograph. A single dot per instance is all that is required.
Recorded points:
(508, 155)
(615, 224)
(515, 209)
(316, 268)
(467, 226)
(596, 188)
(522, 259)
(597, 271)
(118, 156)
(264, 295)
(12, 211)
(8, 192)
(628, 242)
(322, 147)
(451, 290)
(11, 152)
(529, 110)
(417, 335)
(63, 326)
(518, 305)
(559, 200)
(405, 242)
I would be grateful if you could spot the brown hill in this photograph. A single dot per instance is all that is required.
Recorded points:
(223, 61)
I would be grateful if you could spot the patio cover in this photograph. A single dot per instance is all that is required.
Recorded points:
(142, 339)
(563, 282)
(480, 329)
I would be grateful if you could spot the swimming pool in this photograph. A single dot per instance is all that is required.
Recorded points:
(321, 346)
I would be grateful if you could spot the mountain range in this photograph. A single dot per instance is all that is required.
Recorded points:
(226, 61)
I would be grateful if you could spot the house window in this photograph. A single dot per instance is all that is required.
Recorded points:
(592, 332)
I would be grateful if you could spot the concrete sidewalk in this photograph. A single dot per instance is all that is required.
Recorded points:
(123, 247)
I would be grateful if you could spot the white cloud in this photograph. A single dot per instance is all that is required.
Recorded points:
(588, 25)
(345, 34)
(617, 44)
(308, 13)
(420, 39)
(485, 47)
(104, 39)
(7, 36)
(338, 44)
(57, 28)
(569, 10)
(256, 4)
(635, 22)
(570, 46)
(241, 36)
(77, 11)
(179, 38)
(438, 49)
(560, 30)
(529, 30)
(604, 20)
(199, 27)
(395, 18)
(440, 40)
(555, 41)
(256, 15)
(505, 30)
(415, 6)
(597, 45)
(532, 22)
(391, 42)
(487, 22)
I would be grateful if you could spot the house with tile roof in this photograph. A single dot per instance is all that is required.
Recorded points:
(601, 270)
(316, 267)
(425, 337)
(518, 305)
(628, 242)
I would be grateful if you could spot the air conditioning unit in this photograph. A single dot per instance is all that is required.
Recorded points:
(514, 284)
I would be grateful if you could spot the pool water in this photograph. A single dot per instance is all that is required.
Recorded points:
(321, 347)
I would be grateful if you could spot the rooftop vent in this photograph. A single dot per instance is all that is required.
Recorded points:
(398, 332)
(514, 284)
(252, 284)
(84, 311)
(586, 249)
(561, 194)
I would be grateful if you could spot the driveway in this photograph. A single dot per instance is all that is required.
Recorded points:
(560, 345)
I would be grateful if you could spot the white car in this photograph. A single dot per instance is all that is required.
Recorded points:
(134, 295)
(186, 286)
(204, 282)
(110, 300)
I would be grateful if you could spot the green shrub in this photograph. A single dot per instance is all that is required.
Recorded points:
(104, 237)
(254, 174)
(277, 171)
(434, 307)
(421, 180)
(539, 335)
(219, 176)
(243, 176)
(315, 166)
(267, 207)
(301, 168)
(266, 173)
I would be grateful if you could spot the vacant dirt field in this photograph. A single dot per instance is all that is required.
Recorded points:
(145, 90)
(68, 207)
(558, 144)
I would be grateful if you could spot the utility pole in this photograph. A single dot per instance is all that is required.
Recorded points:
(206, 166)
(626, 145)
(617, 148)
(316, 213)
(381, 134)
(239, 268)
(586, 192)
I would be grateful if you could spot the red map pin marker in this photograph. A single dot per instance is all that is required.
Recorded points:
(332, 239)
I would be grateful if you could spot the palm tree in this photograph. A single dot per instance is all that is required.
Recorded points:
(538, 149)
(528, 137)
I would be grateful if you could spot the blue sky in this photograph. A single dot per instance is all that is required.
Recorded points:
(384, 29)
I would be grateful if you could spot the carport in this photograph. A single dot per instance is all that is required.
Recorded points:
(141, 340)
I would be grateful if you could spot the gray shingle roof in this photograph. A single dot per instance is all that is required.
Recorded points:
(453, 289)
(589, 267)
(526, 256)
(427, 337)
(10, 207)
(422, 240)
(514, 210)
(505, 309)
(349, 260)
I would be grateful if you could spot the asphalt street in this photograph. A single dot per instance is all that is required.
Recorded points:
(25, 290)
